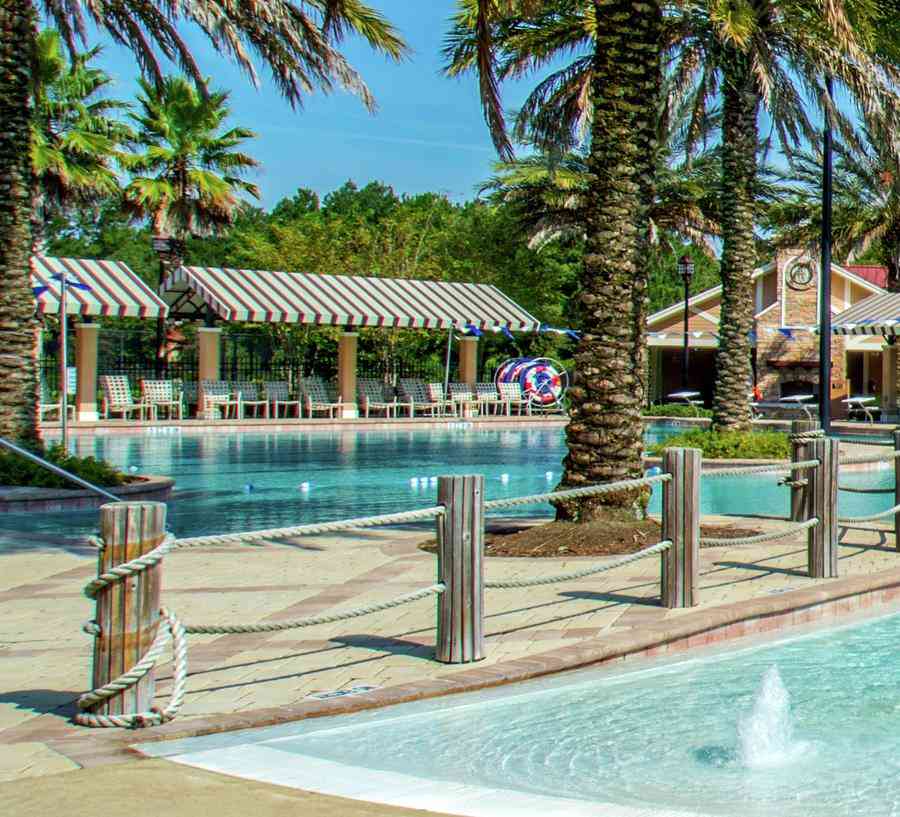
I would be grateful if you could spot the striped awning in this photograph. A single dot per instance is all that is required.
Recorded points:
(107, 288)
(875, 315)
(341, 300)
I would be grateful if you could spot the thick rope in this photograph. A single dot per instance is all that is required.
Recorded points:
(806, 436)
(170, 627)
(659, 547)
(851, 490)
(278, 626)
(758, 538)
(132, 568)
(776, 468)
(305, 530)
(572, 493)
(870, 517)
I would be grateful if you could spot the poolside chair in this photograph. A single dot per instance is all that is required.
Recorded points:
(414, 394)
(278, 395)
(162, 394)
(372, 397)
(511, 396)
(488, 398)
(217, 394)
(117, 398)
(463, 399)
(46, 404)
(248, 397)
(317, 398)
(186, 390)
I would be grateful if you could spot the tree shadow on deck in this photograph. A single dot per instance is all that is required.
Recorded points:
(42, 701)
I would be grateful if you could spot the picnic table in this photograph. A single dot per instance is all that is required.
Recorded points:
(795, 401)
(861, 403)
(689, 398)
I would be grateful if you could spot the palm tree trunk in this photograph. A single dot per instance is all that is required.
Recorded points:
(734, 375)
(18, 325)
(604, 434)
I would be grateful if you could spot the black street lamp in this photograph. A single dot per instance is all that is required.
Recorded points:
(686, 271)
(825, 274)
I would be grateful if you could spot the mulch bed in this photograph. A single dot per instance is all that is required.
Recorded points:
(603, 538)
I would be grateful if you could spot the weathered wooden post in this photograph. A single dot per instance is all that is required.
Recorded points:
(460, 616)
(799, 452)
(896, 488)
(128, 611)
(681, 524)
(822, 540)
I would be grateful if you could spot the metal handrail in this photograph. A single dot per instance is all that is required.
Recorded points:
(57, 470)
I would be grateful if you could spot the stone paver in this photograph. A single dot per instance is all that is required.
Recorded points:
(45, 657)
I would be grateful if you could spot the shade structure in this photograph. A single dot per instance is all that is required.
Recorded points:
(875, 315)
(108, 288)
(341, 300)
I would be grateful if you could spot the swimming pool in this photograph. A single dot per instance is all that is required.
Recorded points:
(713, 735)
(245, 481)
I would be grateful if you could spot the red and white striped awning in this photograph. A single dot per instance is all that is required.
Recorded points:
(342, 300)
(113, 289)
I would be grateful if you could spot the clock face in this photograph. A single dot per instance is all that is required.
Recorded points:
(800, 276)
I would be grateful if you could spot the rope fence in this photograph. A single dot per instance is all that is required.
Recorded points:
(132, 629)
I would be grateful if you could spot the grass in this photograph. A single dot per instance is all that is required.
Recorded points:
(676, 410)
(731, 445)
(16, 471)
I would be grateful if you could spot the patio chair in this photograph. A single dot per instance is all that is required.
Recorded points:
(372, 397)
(162, 394)
(217, 394)
(278, 395)
(511, 396)
(46, 404)
(461, 395)
(488, 398)
(248, 397)
(414, 394)
(317, 398)
(117, 398)
(186, 390)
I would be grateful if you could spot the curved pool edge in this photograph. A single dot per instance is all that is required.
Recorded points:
(27, 500)
(874, 593)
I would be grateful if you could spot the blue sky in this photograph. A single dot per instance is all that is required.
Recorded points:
(427, 135)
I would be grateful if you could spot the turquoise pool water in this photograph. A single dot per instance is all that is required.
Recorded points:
(229, 482)
(817, 736)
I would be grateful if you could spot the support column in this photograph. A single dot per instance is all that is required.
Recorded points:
(797, 480)
(468, 360)
(347, 374)
(209, 358)
(680, 573)
(86, 338)
(889, 412)
(822, 500)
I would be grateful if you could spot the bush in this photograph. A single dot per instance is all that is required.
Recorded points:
(731, 445)
(676, 410)
(16, 471)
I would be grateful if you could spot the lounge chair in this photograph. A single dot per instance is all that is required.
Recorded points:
(278, 395)
(488, 398)
(416, 396)
(117, 398)
(372, 397)
(463, 400)
(317, 398)
(162, 394)
(216, 394)
(511, 396)
(186, 390)
(248, 397)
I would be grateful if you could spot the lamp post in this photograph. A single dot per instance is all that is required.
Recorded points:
(686, 271)
(825, 275)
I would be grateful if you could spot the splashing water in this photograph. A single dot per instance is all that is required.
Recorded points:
(767, 733)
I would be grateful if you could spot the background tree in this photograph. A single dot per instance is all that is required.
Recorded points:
(297, 41)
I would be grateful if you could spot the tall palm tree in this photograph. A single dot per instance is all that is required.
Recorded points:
(772, 55)
(75, 143)
(187, 171)
(604, 434)
(297, 40)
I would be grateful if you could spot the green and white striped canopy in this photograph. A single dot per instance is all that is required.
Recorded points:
(875, 315)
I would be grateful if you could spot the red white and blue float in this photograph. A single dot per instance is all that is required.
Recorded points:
(542, 379)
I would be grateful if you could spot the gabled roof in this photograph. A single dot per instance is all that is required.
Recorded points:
(341, 300)
(873, 274)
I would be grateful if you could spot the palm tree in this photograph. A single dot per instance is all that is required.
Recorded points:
(296, 40)
(866, 218)
(74, 142)
(187, 175)
(604, 434)
(766, 54)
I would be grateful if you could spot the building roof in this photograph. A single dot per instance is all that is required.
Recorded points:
(340, 300)
(873, 274)
(875, 315)
(94, 287)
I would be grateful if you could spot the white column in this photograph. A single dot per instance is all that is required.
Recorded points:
(86, 337)
(347, 374)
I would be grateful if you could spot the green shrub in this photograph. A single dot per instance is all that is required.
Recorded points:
(16, 471)
(731, 445)
(676, 410)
